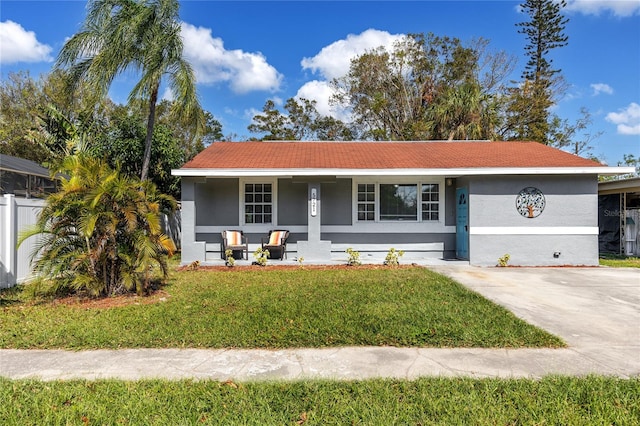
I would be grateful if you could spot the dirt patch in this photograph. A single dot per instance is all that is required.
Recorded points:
(188, 268)
(112, 302)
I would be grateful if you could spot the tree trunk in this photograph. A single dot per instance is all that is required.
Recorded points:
(149, 138)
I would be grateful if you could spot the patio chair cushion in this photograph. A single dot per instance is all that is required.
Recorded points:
(275, 239)
(234, 238)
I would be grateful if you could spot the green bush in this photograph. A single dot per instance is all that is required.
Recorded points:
(100, 234)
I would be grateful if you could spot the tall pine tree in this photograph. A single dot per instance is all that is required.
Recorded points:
(531, 101)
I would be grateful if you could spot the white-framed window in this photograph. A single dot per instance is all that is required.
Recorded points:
(430, 199)
(398, 201)
(366, 202)
(258, 202)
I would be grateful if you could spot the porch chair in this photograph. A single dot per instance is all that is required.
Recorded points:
(236, 241)
(276, 244)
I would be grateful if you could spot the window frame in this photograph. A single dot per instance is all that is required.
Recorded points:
(419, 183)
(243, 204)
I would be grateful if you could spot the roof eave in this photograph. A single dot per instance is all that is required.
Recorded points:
(470, 171)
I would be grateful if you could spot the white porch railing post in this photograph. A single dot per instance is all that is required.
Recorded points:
(10, 232)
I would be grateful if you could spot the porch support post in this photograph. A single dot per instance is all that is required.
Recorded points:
(314, 249)
(191, 250)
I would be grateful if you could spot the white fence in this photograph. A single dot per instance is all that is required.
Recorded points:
(15, 214)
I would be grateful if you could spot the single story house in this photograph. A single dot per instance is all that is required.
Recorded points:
(619, 216)
(467, 200)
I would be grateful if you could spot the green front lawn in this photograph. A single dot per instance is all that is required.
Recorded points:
(552, 400)
(277, 308)
(619, 261)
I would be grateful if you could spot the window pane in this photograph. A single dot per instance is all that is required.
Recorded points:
(258, 203)
(366, 201)
(398, 202)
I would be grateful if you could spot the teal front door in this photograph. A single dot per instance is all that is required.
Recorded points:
(462, 223)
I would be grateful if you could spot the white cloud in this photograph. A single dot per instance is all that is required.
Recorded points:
(621, 8)
(627, 120)
(321, 92)
(212, 63)
(20, 45)
(599, 88)
(333, 60)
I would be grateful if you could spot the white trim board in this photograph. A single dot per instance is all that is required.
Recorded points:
(453, 172)
(538, 230)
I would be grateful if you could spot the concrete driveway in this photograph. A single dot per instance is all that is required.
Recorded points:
(595, 310)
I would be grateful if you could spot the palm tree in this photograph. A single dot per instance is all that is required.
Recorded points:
(139, 35)
(100, 233)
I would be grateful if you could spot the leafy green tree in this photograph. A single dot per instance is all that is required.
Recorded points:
(41, 122)
(528, 112)
(302, 121)
(425, 87)
(123, 145)
(20, 99)
(140, 35)
(190, 141)
(631, 161)
(272, 123)
(100, 234)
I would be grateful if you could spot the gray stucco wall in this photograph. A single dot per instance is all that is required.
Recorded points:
(191, 248)
(336, 202)
(292, 203)
(556, 237)
(217, 202)
(450, 203)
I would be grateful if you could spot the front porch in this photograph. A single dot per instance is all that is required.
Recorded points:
(421, 253)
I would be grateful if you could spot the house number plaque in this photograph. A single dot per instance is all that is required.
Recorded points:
(314, 202)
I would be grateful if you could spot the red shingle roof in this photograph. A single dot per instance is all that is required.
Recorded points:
(382, 155)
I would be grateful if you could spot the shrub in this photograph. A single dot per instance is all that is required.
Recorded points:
(100, 234)
(504, 260)
(393, 257)
(353, 257)
(229, 259)
(261, 256)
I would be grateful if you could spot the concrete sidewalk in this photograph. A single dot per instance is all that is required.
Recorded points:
(595, 310)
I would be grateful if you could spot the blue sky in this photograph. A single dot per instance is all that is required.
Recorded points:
(247, 52)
